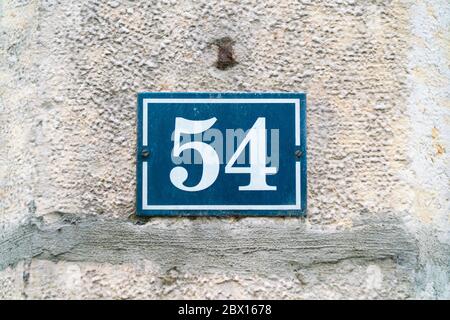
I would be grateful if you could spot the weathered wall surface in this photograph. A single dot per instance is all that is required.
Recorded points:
(377, 78)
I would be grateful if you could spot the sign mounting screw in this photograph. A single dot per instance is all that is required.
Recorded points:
(298, 153)
(145, 153)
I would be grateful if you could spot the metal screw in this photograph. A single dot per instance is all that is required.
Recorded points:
(145, 153)
(298, 153)
(225, 55)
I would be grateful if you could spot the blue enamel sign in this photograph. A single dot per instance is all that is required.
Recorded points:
(221, 154)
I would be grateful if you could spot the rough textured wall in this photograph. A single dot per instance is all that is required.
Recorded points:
(376, 74)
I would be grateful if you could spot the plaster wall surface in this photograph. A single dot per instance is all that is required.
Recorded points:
(377, 79)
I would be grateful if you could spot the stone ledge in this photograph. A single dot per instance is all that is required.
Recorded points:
(247, 245)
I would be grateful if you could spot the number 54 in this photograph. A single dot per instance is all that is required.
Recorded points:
(258, 171)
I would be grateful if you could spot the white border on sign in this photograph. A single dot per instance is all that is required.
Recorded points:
(145, 206)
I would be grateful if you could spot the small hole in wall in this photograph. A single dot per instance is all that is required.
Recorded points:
(225, 53)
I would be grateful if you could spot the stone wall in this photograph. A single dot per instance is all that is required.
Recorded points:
(377, 78)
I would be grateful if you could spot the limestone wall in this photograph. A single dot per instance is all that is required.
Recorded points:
(377, 78)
